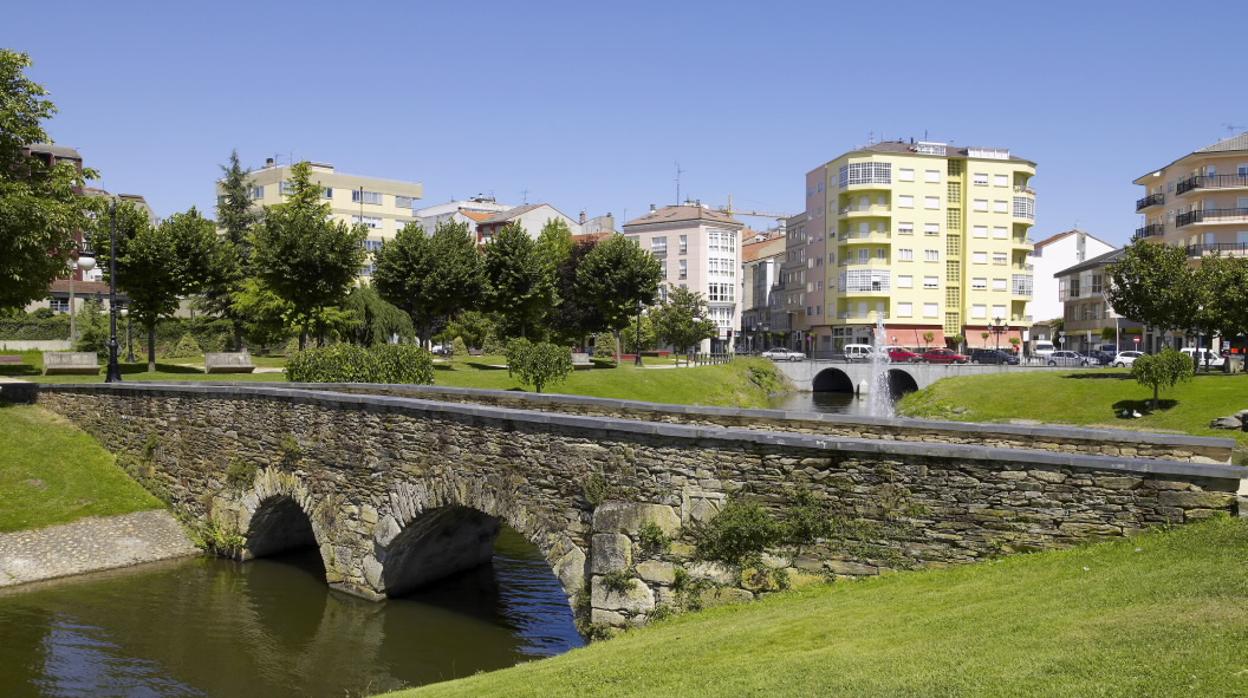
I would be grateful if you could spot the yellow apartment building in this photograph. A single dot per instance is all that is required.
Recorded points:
(929, 238)
(383, 205)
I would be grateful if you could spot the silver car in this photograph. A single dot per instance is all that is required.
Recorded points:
(1124, 359)
(782, 354)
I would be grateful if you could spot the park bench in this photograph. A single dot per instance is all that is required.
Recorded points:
(228, 362)
(10, 360)
(70, 362)
(581, 360)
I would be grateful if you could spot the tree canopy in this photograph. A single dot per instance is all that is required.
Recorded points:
(519, 286)
(616, 279)
(682, 320)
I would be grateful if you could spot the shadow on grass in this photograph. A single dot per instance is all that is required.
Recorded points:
(1144, 407)
(160, 368)
(484, 366)
(18, 370)
(1100, 376)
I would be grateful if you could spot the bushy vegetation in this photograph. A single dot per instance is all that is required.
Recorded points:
(348, 363)
(1163, 370)
(539, 364)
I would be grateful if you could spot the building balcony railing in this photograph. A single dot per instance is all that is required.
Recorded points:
(1149, 231)
(872, 315)
(1235, 249)
(1150, 200)
(1235, 181)
(1023, 189)
(1212, 215)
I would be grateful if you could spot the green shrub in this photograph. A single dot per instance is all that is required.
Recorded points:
(348, 363)
(619, 582)
(596, 488)
(738, 534)
(538, 364)
(186, 347)
(459, 347)
(240, 473)
(1163, 370)
(652, 539)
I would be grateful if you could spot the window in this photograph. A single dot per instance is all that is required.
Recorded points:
(370, 222)
(905, 174)
(684, 245)
(905, 255)
(59, 305)
(1024, 207)
(1000, 206)
(367, 197)
(663, 268)
(864, 280)
(327, 193)
(979, 283)
(905, 281)
(931, 176)
(981, 204)
(931, 202)
(864, 256)
(931, 282)
(372, 245)
(404, 201)
(905, 201)
(1097, 281)
(257, 192)
(683, 266)
(1000, 258)
(1001, 180)
(979, 311)
(931, 309)
(1242, 170)
(979, 257)
(931, 229)
(866, 173)
(905, 228)
(720, 292)
(979, 231)
(1074, 287)
(658, 246)
(881, 253)
(998, 285)
(931, 255)
(998, 311)
(905, 309)
(1000, 232)
(980, 179)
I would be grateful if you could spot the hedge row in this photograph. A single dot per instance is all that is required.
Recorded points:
(349, 363)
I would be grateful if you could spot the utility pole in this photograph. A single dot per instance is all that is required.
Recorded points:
(679, 172)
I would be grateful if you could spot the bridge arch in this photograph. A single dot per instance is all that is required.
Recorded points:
(278, 525)
(832, 380)
(900, 382)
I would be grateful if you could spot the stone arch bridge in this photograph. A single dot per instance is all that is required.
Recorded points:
(399, 489)
(855, 376)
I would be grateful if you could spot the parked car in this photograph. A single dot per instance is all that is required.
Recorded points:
(441, 350)
(1099, 357)
(1043, 348)
(1125, 358)
(1067, 358)
(993, 356)
(858, 352)
(782, 354)
(944, 356)
(1214, 360)
(900, 355)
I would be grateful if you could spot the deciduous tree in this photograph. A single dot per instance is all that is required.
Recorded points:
(518, 286)
(617, 278)
(682, 321)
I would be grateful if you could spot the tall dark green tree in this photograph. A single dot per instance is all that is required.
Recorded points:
(401, 267)
(236, 217)
(519, 287)
(431, 278)
(376, 320)
(304, 256)
(577, 315)
(618, 278)
(40, 206)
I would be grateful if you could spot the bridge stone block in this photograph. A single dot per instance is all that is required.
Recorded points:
(638, 599)
(621, 517)
(610, 552)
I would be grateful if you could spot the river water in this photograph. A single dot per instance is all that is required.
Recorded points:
(270, 627)
(836, 403)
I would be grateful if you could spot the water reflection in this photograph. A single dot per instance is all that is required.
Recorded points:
(829, 402)
(271, 627)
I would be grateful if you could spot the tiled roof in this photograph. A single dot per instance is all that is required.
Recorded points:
(675, 214)
(1233, 143)
(592, 237)
(763, 248)
(1097, 261)
(510, 214)
(478, 216)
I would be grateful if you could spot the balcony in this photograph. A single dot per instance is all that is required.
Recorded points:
(1149, 231)
(1212, 215)
(854, 237)
(1150, 200)
(1023, 189)
(1235, 181)
(871, 316)
(1021, 285)
(852, 212)
(1226, 249)
(1025, 207)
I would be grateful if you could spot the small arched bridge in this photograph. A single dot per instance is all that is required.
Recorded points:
(856, 376)
(397, 491)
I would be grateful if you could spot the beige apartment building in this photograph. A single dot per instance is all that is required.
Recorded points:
(383, 205)
(929, 238)
(699, 249)
(762, 257)
(1199, 201)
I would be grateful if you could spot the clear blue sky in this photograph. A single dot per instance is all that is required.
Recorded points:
(587, 105)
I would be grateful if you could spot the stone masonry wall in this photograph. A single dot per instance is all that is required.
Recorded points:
(365, 468)
(1108, 442)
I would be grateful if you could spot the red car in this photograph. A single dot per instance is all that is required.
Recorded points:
(944, 356)
(901, 355)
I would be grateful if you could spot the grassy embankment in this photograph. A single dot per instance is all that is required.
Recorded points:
(52, 473)
(1083, 397)
(1160, 614)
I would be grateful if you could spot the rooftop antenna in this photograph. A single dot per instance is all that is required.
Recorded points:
(524, 193)
(679, 172)
(1232, 128)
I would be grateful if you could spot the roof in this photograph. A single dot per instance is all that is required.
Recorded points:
(591, 237)
(478, 216)
(1058, 236)
(770, 247)
(1233, 144)
(679, 214)
(59, 151)
(81, 288)
(1097, 261)
(909, 147)
(513, 213)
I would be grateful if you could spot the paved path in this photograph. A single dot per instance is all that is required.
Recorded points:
(91, 545)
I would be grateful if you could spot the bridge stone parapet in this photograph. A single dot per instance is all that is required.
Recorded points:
(397, 491)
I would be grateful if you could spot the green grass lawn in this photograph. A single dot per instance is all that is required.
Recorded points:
(743, 383)
(1161, 614)
(166, 370)
(51, 473)
(1083, 397)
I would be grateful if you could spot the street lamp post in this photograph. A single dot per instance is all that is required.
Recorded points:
(114, 370)
(998, 326)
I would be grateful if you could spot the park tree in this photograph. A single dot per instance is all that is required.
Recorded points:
(682, 320)
(236, 217)
(1153, 284)
(1228, 277)
(617, 278)
(518, 286)
(41, 208)
(305, 257)
(640, 334)
(473, 326)
(262, 312)
(431, 278)
(1162, 370)
(554, 243)
(456, 282)
(537, 364)
(577, 316)
(375, 320)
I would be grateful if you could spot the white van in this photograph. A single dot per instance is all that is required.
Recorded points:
(1043, 348)
(1215, 360)
(858, 352)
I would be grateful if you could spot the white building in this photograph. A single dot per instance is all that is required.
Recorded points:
(531, 217)
(1052, 255)
(467, 211)
(699, 249)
